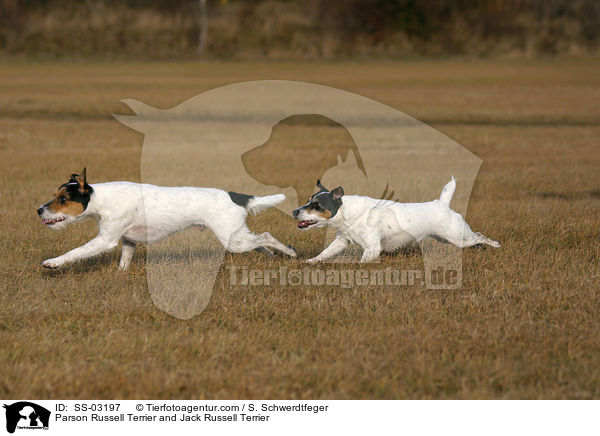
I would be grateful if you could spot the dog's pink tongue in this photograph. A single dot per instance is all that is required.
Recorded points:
(302, 224)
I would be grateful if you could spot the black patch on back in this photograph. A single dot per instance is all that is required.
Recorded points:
(240, 199)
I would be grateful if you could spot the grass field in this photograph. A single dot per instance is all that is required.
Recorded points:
(524, 325)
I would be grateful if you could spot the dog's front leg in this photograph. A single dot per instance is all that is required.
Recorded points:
(371, 252)
(127, 249)
(96, 246)
(336, 246)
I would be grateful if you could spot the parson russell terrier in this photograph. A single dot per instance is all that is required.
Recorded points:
(383, 225)
(124, 214)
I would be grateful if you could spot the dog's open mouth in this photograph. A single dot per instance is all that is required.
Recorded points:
(53, 221)
(305, 224)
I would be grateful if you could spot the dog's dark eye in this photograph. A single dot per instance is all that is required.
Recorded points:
(61, 199)
(316, 206)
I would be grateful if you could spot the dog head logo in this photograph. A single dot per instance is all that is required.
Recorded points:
(268, 137)
(26, 415)
(310, 157)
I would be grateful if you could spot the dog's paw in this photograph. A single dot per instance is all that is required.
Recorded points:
(311, 260)
(293, 252)
(51, 263)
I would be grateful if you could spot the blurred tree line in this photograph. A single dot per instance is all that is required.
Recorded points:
(293, 29)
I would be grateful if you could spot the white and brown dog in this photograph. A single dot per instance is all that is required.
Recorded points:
(132, 213)
(383, 225)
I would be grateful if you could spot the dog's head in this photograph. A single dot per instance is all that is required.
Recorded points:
(321, 207)
(68, 203)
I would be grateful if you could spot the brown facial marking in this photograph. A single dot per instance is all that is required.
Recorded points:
(324, 213)
(67, 206)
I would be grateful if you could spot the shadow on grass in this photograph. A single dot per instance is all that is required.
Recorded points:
(570, 195)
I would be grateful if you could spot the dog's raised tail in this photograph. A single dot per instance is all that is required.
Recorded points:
(448, 192)
(258, 204)
(254, 204)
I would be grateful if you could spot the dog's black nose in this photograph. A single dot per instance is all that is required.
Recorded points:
(295, 213)
(40, 211)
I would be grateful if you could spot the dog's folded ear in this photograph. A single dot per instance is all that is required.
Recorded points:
(338, 193)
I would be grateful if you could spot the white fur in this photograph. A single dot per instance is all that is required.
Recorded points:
(133, 213)
(383, 225)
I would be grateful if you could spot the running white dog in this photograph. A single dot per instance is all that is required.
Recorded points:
(384, 225)
(124, 213)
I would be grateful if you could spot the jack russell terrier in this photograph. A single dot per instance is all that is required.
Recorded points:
(124, 214)
(383, 225)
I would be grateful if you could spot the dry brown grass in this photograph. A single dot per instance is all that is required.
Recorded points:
(524, 325)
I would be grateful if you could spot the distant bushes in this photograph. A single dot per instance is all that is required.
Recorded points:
(293, 29)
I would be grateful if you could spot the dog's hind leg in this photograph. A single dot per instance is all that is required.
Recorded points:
(127, 249)
(269, 241)
(243, 240)
(264, 250)
(481, 239)
(460, 234)
(469, 240)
